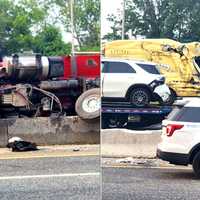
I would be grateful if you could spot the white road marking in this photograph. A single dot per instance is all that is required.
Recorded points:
(49, 176)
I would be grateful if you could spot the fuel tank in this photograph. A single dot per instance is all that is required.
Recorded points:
(31, 67)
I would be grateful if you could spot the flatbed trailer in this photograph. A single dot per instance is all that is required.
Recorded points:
(124, 115)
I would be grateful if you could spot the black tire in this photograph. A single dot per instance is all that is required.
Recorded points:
(196, 164)
(139, 97)
(83, 101)
(170, 100)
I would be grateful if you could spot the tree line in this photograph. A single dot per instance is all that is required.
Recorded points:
(174, 19)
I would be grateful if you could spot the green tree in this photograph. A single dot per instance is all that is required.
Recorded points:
(17, 21)
(49, 42)
(86, 21)
(173, 19)
(25, 27)
(115, 27)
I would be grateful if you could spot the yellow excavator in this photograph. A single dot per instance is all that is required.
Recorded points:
(178, 62)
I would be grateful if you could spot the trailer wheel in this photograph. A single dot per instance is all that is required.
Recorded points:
(88, 104)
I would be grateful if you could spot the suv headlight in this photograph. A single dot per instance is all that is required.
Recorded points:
(161, 80)
(157, 82)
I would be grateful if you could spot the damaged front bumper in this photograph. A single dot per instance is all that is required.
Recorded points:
(163, 92)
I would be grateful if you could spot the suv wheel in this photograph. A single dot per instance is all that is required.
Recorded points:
(196, 164)
(140, 97)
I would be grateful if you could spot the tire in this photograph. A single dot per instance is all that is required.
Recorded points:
(170, 100)
(196, 164)
(88, 104)
(139, 97)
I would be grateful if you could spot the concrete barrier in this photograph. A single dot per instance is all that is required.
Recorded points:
(50, 131)
(124, 143)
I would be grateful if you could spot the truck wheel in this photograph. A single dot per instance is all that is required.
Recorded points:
(88, 104)
(140, 97)
(196, 165)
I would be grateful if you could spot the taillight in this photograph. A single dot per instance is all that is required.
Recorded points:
(171, 128)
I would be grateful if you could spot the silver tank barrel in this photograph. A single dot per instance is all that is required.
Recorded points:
(33, 67)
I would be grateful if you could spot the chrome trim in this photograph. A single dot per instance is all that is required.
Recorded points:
(45, 66)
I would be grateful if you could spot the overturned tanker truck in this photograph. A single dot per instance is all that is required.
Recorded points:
(36, 85)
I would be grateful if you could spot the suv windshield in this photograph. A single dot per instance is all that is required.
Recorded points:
(185, 114)
(149, 68)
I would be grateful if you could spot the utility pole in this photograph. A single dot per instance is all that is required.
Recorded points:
(72, 24)
(123, 19)
(73, 57)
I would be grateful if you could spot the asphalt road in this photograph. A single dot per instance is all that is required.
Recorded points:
(63, 178)
(149, 184)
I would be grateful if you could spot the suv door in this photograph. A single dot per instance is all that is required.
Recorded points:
(117, 78)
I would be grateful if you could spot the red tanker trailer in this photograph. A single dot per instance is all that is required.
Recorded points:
(39, 85)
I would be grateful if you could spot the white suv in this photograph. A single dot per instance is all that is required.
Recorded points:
(135, 81)
(181, 136)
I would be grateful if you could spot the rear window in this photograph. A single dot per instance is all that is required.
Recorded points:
(91, 63)
(149, 68)
(185, 114)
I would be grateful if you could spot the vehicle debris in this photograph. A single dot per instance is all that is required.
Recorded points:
(18, 145)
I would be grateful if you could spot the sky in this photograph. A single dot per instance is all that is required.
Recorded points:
(108, 7)
(67, 37)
